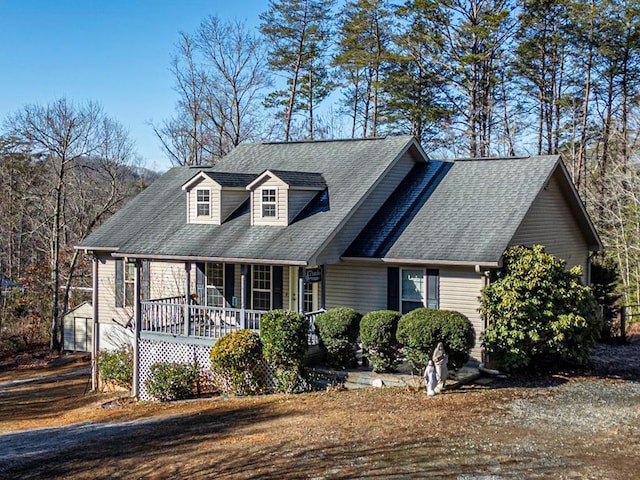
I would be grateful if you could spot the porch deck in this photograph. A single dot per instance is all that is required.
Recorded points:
(172, 316)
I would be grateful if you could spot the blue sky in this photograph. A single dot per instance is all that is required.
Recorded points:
(116, 52)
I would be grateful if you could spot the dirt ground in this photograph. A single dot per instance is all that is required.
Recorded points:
(583, 425)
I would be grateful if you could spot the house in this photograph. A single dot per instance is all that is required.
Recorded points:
(367, 223)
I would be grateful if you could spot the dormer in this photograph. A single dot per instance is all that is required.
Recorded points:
(213, 196)
(278, 196)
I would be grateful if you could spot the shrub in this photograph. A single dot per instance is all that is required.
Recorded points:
(237, 364)
(378, 336)
(117, 366)
(338, 329)
(538, 312)
(419, 331)
(171, 381)
(284, 340)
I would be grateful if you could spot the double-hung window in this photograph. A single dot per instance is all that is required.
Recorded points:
(214, 273)
(269, 202)
(129, 283)
(261, 287)
(203, 202)
(419, 288)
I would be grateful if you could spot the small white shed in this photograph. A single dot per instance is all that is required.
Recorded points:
(78, 328)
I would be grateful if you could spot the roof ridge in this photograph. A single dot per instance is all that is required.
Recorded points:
(515, 157)
(329, 140)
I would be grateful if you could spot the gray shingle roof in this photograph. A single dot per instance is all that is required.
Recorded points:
(154, 223)
(301, 179)
(231, 180)
(474, 212)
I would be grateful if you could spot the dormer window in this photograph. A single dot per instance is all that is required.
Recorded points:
(203, 202)
(269, 202)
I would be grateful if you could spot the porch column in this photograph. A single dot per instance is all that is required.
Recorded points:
(95, 340)
(323, 289)
(301, 289)
(243, 294)
(187, 298)
(135, 390)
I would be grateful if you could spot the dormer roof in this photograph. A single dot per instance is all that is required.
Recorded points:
(224, 179)
(294, 179)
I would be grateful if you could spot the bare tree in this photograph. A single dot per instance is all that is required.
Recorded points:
(74, 143)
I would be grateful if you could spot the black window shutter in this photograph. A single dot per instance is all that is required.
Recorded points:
(277, 287)
(145, 283)
(229, 285)
(247, 288)
(393, 288)
(433, 289)
(119, 286)
(200, 283)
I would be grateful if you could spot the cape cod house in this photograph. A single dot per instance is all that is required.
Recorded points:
(369, 223)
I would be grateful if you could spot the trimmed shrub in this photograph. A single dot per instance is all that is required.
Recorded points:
(284, 346)
(538, 312)
(338, 329)
(237, 364)
(172, 381)
(419, 331)
(378, 336)
(116, 366)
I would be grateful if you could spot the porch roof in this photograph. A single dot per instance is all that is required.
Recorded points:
(154, 222)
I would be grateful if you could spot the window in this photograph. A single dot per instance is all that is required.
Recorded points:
(214, 273)
(269, 205)
(310, 295)
(129, 283)
(203, 204)
(261, 287)
(419, 288)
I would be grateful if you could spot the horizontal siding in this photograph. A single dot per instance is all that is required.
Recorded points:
(107, 311)
(550, 222)
(298, 199)
(230, 201)
(167, 279)
(214, 197)
(363, 288)
(367, 210)
(459, 291)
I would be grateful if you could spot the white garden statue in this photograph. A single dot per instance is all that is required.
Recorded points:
(430, 378)
(440, 359)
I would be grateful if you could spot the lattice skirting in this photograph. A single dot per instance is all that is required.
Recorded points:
(154, 352)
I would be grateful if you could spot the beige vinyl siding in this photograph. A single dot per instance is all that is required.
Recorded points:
(230, 200)
(167, 279)
(550, 222)
(214, 205)
(107, 311)
(298, 199)
(281, 206)
(459, 291)
(363, 288)
(367, 210)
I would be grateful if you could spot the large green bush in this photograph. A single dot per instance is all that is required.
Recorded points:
(537, 312)
(284, 340)
(172, 381)
(237, 364)
(338, 329)
(420, 330)
(116, 366)
(378, 336)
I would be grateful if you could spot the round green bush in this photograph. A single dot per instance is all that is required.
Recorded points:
(284, 340)
(116, 366)
(378, 336)
(338, 329)
(237, 364)
(419, 331)
(171, 381)
(538, 313)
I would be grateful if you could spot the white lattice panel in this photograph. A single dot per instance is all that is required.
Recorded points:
(154, 352)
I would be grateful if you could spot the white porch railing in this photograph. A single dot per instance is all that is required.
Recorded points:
(171, 316)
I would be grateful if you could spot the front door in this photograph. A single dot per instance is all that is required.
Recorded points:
(310, 292)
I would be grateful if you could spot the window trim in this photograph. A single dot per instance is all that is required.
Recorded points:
(219, 288)
(203, 203)
(128, 282)
(254, 289)
(273, 202)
